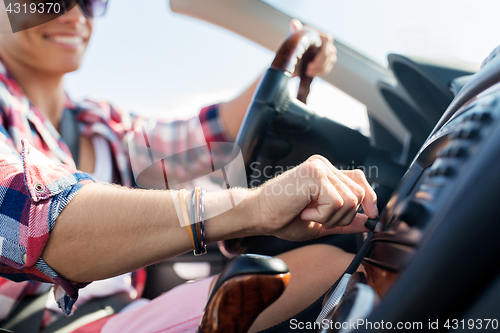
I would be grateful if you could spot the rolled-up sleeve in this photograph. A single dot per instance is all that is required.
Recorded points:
(166, 153)
(212, 125)
(33, 192)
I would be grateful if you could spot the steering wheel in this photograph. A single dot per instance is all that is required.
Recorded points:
(272, 100)
(279, 131)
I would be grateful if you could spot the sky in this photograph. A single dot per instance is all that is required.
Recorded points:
(465, 30)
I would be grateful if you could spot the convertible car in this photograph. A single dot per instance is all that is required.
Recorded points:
(432, 155)
(431, 259)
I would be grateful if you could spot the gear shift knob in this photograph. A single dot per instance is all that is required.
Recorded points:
(248, 285)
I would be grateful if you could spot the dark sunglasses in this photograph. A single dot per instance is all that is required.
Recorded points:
(42, 11)
(90, 8)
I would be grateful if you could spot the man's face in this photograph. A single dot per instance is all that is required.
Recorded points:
(55, 47)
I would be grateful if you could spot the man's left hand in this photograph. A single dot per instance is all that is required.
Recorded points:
(327, 55)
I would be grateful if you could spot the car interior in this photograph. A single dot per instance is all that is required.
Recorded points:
(433, 135)
(429, 260)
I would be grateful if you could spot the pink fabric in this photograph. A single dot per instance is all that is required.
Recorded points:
(94, 326)
(177, 311)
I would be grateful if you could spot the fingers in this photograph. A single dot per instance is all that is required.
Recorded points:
(331, 200)
(311, 199)
(326, 202)
(295, 25)
(325, 59)
(351, 185)
(338, 195)
(357, 225)
(370, 201)
(356, 181)
(351, 200)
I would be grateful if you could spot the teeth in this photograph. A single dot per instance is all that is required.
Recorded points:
(71, 40)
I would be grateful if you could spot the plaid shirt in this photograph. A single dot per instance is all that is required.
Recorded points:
(38, 178)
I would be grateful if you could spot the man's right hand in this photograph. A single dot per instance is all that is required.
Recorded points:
(313, 200)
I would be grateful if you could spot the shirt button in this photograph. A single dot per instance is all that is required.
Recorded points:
(24, 258)
(39, 188)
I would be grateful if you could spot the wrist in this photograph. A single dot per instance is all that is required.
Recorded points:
(237, 221)
(251, 213)
(260, 220)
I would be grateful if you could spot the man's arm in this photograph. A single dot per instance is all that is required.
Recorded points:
(232, 112)
(108, 230)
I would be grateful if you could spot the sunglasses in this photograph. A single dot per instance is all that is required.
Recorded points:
(90, 8)
(26, 14)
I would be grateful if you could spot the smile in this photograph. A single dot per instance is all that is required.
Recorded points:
(71, 41)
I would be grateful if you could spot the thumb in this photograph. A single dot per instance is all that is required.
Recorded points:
(295, 25)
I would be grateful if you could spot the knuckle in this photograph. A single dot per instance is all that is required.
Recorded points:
(359, 191)
(360, 194)
(314, 157)
(314, 164)
(357, 173)
(318, 156)
(337, 203)
(351, 202)
(313, 168)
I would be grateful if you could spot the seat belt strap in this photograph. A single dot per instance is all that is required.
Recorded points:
(71, 134)
(28, 315)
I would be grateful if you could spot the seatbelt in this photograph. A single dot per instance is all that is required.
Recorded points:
(70, 133)
(28, 315)
(95, 309)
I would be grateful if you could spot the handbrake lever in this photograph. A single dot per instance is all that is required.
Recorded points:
(335, 294)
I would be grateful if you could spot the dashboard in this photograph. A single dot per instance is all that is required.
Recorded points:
(433, 256)
(441, 160)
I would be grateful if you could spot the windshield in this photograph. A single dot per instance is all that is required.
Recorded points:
(444, 29)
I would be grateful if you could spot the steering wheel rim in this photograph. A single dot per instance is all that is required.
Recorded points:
(271, 97)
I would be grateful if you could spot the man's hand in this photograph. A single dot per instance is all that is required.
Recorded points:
(326, 57)
(314, 199)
